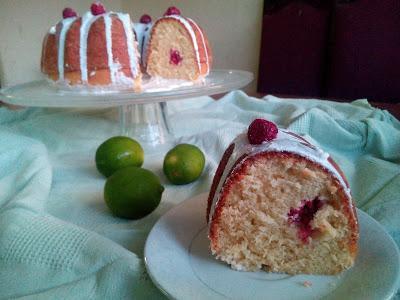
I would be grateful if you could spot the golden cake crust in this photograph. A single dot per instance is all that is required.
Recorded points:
(98, 70)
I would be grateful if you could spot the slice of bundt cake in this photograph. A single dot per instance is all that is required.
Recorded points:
(178, 48)
(98, 48)
(281, 204)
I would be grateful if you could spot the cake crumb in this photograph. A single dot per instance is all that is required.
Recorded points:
(307, 283)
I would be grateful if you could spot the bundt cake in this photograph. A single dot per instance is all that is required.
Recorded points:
(106, 48)
(281, 204)
(178, 48)
(98, 48)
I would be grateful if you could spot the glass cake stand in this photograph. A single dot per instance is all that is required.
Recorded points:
(142, 115)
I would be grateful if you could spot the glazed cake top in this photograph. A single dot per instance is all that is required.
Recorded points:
(285, 141)
(87, 20)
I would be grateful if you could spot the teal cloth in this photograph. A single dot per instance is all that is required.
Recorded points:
(59, 241)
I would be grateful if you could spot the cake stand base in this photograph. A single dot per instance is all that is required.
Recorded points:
(147, 123)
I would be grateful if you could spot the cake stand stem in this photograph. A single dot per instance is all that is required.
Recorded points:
(147, 123)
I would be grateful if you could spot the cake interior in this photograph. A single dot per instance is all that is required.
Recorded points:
(172, 52)
(284, 215)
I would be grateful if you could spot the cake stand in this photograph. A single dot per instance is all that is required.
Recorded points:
(141, 115)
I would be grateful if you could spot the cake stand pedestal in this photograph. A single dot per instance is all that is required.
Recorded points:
(142, 116)
(147, 122)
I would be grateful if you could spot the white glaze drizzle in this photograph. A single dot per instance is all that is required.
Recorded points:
(159, 84)
(65, 25)
(191, 33)
(87, 19)
(130, 40)
(284, 142)
(143, 36)
(204, 45)
(52, 30)
(110, 57)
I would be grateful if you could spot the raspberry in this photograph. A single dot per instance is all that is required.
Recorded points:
(97, 9)
(175, 57)
(261, 130)
(172, 10)
(145, 19)
(69, 13)
(302, 217)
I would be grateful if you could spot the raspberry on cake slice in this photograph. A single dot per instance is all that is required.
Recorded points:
(281, 204)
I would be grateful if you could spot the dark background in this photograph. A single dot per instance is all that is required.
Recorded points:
(342, 50)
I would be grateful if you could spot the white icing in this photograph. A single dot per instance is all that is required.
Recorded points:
(87, 20)
(159, 84)
(284, 142)
(122, 80)
(124, 83)
(191, 33)
(139, 29)
(111, 65)
(65, 25)
(132, 51)
(204, 46)
(143, 37)
(52, 30)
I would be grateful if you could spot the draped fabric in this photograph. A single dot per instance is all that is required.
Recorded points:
(58, 240)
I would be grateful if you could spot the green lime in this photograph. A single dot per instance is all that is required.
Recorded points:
(132, 192)
(118, 152)
(183, 164)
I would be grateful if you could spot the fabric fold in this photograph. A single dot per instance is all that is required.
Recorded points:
(57, 236)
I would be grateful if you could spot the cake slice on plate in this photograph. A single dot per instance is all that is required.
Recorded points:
(281, 204)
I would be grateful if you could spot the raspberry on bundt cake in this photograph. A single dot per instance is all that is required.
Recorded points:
(98, 48)
(178, 48)
(281, 204)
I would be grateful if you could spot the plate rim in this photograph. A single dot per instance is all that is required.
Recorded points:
(394, 288)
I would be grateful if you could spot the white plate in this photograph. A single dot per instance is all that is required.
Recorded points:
(179, 262)
(45, 94)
